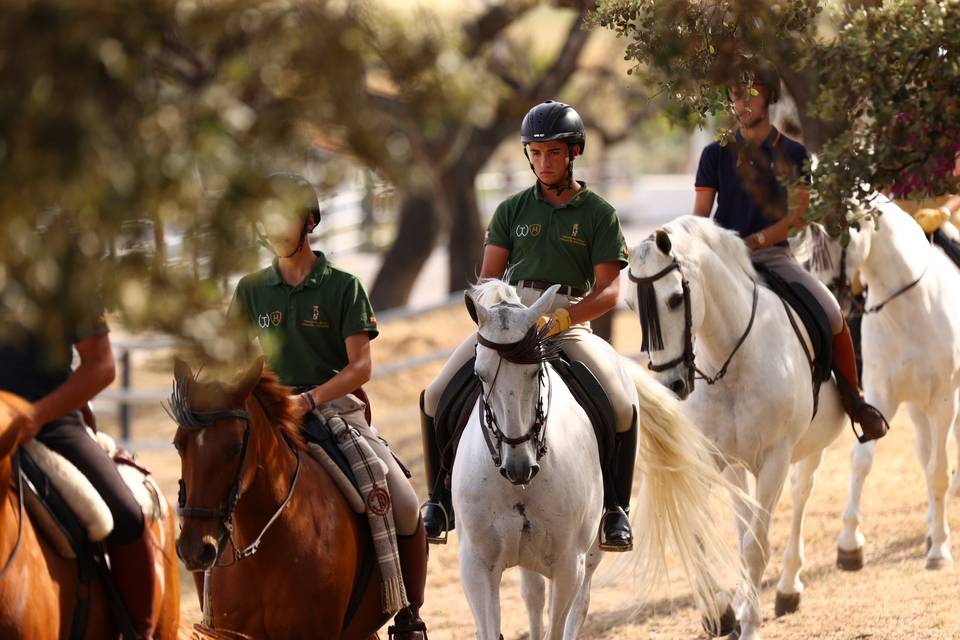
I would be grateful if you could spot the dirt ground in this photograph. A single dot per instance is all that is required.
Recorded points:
(893, 597)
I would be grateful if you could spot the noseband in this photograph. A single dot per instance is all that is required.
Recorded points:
(650, 326)
(530, 349)
(195, 421)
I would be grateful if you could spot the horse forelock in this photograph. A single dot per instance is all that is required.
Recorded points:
(491, 291)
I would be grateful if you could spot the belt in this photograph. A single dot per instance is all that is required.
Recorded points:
(541, 285)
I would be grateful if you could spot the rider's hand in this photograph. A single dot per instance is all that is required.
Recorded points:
(558, 321)
(931, 219)
(22, 422)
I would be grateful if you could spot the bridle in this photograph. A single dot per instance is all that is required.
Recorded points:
(195, 421)
(650, 324)
(528, 350)
(841, 288)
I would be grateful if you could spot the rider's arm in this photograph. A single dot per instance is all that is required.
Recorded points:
(96, 371)
(351, 377)
(494, 261)
(703, 204)
(602, 297)
(799, 198)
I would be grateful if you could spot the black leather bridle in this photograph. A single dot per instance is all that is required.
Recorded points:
(650, 321)
(528, 350)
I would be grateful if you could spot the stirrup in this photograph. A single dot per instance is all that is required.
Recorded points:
(862, 435)
(421, 628)
(446, 522)
(606, 546)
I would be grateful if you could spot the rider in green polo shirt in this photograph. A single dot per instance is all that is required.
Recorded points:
(556, 232)
(314, 323)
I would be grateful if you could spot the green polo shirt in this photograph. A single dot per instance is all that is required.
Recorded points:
(559, 245)
(302, 329)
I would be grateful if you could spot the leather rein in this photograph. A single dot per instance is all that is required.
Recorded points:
(688, 357)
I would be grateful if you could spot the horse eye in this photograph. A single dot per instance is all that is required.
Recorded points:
(233, 452)
(675, 301)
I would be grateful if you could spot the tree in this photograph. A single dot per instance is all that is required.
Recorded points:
(874, 82)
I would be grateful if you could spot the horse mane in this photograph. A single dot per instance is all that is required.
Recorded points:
(275, 400)
(728, 245)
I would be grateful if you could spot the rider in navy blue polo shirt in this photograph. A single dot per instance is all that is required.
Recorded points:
(762, 187)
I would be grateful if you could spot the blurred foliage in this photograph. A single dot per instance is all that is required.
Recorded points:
(875, 83)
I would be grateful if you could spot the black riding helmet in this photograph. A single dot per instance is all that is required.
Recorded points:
(549, 121)
(293, 193)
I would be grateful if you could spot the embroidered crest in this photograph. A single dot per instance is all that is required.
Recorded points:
(316, 312)
(263, 320)
(535, 230)
(378, 501)
(576, 227)
(275, 317)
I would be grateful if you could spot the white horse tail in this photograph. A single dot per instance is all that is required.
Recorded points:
(682, 502)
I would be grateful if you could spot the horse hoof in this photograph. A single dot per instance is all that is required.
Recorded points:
(786, 603)
(850, 560)
(938, 564)
(729, 625)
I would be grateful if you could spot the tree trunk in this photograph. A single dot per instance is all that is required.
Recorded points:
(466, 231)
(416, 237)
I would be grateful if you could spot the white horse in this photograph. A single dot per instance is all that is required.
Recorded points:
(710, 316)
(527, 486)
(911, 356)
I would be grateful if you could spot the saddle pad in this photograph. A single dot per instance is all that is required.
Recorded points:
(813, 317)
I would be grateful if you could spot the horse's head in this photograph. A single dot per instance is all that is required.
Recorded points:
(666, 295)
(213, 439)
(510, 363)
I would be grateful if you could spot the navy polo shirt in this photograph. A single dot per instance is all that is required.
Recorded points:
(749, 180)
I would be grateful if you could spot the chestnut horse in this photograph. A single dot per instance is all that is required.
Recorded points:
(296, 548)
(38, 587)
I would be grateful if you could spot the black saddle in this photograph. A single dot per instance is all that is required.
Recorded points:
(951, 248)
(814, 320)
(318, 432)
(460, 397)
(90, 557)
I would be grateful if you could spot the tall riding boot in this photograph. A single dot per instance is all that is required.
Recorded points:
(615, 531)
(438, 509)
(872, 423)
(414, 552)
(132, 568)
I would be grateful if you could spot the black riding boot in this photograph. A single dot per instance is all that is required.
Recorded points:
(438, 509)
(615, 531)
(413, 551)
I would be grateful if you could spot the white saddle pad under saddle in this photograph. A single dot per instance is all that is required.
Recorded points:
(82, 498)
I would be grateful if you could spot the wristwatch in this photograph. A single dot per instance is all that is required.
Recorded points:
(761, 239)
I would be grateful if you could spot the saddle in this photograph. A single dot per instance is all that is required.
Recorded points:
(814, 320)
(460, 397)
(68, 512)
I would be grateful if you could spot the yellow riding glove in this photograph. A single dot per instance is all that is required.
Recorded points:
(931, 219)
(558, 321)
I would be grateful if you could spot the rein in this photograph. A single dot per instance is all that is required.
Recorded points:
(650, 322)
(879, 307)
(528, 350)
(16, 545)
(190, 420)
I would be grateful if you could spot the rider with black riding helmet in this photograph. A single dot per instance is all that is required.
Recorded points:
(748, 175)
(555, 232)
(314, 323)
(35, 363)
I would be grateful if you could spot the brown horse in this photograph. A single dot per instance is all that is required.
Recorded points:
(38, 587)
(296, 548)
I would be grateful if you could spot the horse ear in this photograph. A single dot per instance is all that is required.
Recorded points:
(544, 302)
(663, 242)
(249, 380)
(181, 370)
(478, 312)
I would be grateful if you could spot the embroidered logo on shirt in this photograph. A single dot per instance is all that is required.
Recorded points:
(373, 319)
(535, 230)
(275, 317)
(522, 231)
(263, 321)
(576, 227)
(316, 312)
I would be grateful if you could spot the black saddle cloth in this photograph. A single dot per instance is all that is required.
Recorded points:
(813, 317)
(951, 248)
(460, 397)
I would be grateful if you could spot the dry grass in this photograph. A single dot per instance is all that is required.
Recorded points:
(892, 598)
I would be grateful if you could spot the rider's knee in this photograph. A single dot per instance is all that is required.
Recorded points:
(128, 522)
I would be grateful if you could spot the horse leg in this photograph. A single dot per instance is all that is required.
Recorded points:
(568, 576)
(481, 585)
(936, 428)
(756, 544)
(955, 485)
(581, 602)
(801, 484)
(533, 590)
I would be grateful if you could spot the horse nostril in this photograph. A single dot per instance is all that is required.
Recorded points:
(679, 387)
(534, 470)
(208, 554)
(503, 472)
